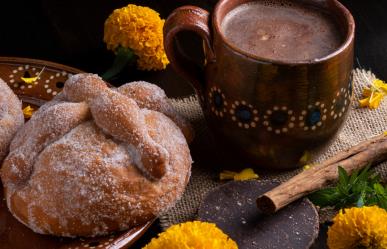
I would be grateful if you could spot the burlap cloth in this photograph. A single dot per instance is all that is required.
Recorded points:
(360, 125)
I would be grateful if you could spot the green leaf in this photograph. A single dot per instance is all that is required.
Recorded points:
(379, 188)
(343, 185)
(382, 203)
(359, 189)
(343, 176)
(325, 197)
(124, 56)
(353, 178)
(364, 174)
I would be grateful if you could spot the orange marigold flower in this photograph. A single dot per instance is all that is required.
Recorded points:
(364, 227)
(192, 235)
(140, 29)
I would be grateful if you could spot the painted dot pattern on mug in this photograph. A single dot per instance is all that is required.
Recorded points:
(280, 119)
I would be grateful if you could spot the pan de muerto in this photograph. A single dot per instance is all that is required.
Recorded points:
(11, 117)
(97, 160)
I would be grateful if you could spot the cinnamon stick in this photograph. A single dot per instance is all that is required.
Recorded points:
(371, 151)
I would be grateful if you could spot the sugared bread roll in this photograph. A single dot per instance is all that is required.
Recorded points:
(11, 117)
(95, 161)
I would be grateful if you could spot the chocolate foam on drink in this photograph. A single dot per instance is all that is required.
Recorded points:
(282, 30)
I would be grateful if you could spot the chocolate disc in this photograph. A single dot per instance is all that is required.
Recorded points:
(233, 209)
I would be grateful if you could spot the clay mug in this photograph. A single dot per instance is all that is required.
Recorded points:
(268, 112)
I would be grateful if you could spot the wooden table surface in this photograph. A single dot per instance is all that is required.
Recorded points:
(70, 32)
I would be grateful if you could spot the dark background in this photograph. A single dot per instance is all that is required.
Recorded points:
(70, 32)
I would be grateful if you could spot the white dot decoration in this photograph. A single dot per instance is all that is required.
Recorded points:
(15, 78)
(313, 117)
(244, 114)
(19, 72)
(340, 103)
(279, 119)
(217, 100)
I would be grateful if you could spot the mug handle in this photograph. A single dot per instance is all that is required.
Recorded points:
(188, 18)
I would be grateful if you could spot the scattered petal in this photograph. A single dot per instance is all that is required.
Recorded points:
(306, 157)
(30, 80)
(28, 111)
(246, 174)
(364, 102)
(373, 95)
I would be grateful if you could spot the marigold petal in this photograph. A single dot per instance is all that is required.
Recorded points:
(375, 100)
(364, 102)
(28, 111)
(29, 80)
(367, 92)
(246, 174)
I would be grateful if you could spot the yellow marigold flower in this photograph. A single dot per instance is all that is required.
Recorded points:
(373, 95)
(192, 235)
(140, 29)
(28, 111)
(246, 174)
(364, 227)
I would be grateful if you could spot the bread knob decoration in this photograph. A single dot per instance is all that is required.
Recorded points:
(11, 117)
(96, 160)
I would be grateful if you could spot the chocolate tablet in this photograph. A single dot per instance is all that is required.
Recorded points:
(232, 208)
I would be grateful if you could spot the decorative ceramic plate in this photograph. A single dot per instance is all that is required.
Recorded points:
(50, 82)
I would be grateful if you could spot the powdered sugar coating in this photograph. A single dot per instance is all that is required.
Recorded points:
(83, 86)
(11, 117)
(152, 97)
(88, 179)
(120, 117)
(45, 127)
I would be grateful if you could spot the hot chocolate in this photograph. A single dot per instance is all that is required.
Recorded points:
(281, 30)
